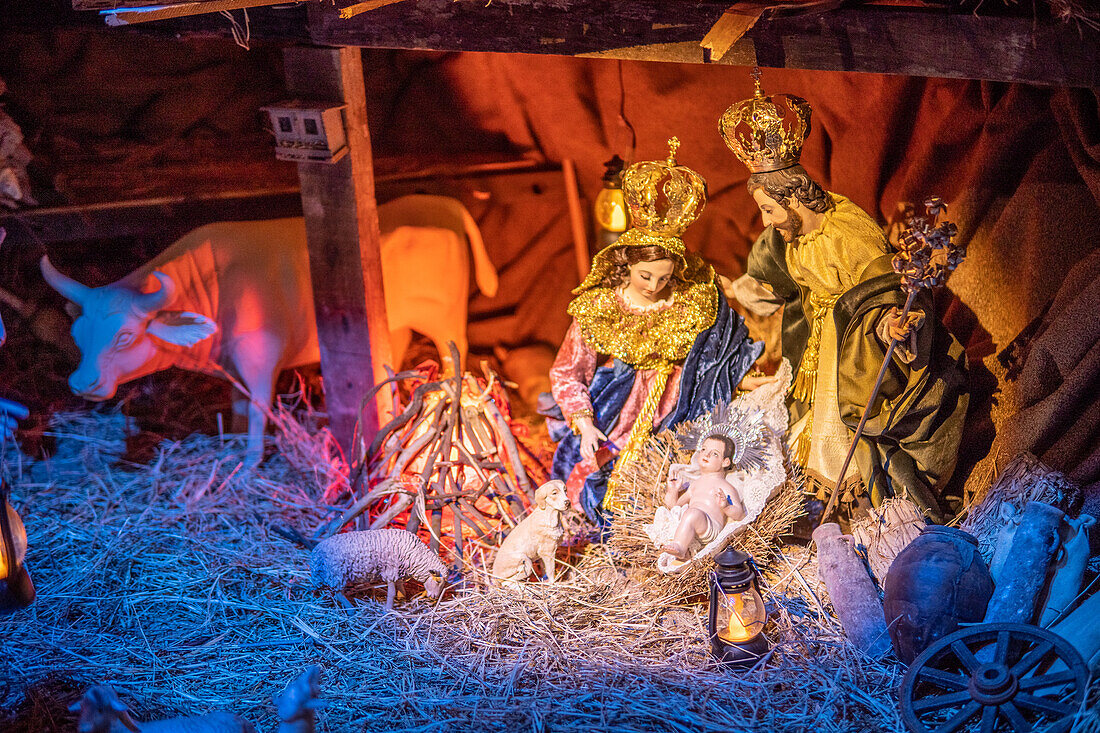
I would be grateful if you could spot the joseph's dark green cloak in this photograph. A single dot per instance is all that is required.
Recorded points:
(911, 439)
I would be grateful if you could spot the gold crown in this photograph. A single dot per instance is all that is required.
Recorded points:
(766, 133)
(684, 192)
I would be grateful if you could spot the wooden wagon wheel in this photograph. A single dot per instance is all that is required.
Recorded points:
(1006, 677)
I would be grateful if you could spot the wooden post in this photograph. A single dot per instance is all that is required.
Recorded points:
(576, 219)
(344, 244)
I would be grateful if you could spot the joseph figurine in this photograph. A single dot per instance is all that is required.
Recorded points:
(828, 265)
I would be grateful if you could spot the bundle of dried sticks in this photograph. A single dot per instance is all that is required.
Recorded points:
(449, 461)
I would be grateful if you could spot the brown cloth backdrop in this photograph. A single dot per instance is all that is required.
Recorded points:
(1018, 165)
(1058, 416)
(1054, 379)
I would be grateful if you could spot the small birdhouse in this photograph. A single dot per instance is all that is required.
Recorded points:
(308, 131)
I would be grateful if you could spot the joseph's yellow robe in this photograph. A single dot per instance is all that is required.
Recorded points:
(836, 284)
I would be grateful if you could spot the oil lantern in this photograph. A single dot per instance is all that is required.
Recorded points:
(610, 206)
(737, 613)
(16, 588)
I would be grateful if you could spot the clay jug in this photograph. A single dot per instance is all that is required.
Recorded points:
(937, 582)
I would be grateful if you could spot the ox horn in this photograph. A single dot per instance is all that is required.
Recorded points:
(63, 284)
(151, 302)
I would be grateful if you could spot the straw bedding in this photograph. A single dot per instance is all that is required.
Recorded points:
(167, 581)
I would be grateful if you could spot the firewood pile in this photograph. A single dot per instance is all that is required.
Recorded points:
(451, 463)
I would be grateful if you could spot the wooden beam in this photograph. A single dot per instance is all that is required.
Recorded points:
(577, 220)
(129, 12)
(169, 216)
(285, 23)
(123, 4)
(891, 39)
(732, 27)
(344, 244)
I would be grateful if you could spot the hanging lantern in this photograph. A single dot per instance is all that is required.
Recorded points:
(611, 213)
(16, 588)
(737, 613)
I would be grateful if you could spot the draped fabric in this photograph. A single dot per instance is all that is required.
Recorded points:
(915, 425)
(911, 439)
(719, 359)
(721, 356)
(1055, 380)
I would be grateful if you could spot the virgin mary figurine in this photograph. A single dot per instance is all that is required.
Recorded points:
(652, 343)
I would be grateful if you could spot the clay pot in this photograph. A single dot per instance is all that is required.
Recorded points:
(1068, 569)
(937, 582)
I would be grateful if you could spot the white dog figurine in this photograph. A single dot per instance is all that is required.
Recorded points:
(535, 538)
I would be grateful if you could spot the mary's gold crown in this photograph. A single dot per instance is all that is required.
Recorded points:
(664, 198)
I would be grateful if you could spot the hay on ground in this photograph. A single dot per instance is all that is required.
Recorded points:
(166, 581)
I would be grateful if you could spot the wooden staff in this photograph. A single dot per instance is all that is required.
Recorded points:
(867, 410)
(926, 256)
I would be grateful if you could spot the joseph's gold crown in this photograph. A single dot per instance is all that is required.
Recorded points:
(684, 194)
(764, 132)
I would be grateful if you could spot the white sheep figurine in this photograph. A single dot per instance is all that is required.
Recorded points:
(390, 554)
(298, 702)
(102, 712)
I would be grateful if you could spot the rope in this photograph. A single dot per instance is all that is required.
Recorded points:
(639, 433)
(804, 386)
(242, 35)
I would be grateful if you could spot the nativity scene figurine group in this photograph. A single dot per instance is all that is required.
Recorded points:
(654, 345)
(862, 411)
(672, 429)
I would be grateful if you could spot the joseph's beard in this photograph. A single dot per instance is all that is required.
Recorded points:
(791, 228)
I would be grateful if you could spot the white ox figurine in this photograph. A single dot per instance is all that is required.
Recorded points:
(236, 296)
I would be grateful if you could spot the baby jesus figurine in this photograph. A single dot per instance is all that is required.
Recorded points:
(711, 499)
(736, 465)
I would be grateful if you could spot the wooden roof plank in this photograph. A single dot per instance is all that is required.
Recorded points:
(129, 12)
(892, 39)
